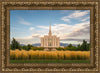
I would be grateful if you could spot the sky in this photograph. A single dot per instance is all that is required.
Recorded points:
(28, 26)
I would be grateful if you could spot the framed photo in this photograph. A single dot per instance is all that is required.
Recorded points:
(54, 36)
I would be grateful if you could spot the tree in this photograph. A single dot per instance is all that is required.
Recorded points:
(40, 48)
(37, 48)
(88, 46)
(29, 47)
(78, 47)
(25, 47)
(70, 45)
(15, 44)
(60, 48)
(67, 48)
(85, 46)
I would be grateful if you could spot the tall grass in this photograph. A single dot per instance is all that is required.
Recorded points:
(49, 55)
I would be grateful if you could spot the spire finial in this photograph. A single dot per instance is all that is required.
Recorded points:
(50, 23)
(50, 29)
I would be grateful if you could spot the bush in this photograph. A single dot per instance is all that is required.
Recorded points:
(59, 48)
(37, 48)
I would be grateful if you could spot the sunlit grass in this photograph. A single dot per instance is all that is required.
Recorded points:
(49, 55)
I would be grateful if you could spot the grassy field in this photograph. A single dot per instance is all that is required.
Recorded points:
(23, 56)
(49, 55)
(49, 61)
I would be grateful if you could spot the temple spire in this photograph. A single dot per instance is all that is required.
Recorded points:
(50, 29)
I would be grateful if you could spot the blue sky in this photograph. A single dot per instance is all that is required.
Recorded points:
(28, 26)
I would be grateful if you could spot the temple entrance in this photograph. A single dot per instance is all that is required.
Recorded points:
(50, 49)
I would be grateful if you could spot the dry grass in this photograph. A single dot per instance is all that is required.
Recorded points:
(49, 55)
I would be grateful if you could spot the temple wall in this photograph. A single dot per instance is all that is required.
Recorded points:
(45, 41)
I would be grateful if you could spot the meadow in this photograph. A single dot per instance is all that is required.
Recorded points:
(49, 55)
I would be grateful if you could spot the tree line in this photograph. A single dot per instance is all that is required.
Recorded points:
(16, 45)
(80, 47)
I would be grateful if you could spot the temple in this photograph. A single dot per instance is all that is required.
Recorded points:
(50, 42)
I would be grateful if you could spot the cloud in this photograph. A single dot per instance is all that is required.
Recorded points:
(75, 15)
(65, 19)
(85, 19)
(78, 40)
(36, 35)
(66, 32)
(44, 27)
(23, 21)
(31, 28)
(35, 38)
(56, 27)
(29, 37)
(79, 29)
(65, 28)
(83, 32)
(78, 35)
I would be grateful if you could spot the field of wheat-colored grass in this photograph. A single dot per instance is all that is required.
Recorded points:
(49, 55)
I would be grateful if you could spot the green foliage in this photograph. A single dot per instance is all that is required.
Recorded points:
(24, 47)
(70, 45)
(29, 47)
(83, 47)
(37, 48)
(71, 48)
(15, 45)
(60, 48)
(78, 47)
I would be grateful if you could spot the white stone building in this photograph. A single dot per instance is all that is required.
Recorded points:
(50, 42)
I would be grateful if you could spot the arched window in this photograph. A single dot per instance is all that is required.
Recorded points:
(49, 44)
(49, 40)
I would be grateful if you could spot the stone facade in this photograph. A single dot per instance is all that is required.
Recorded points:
(50, 42)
